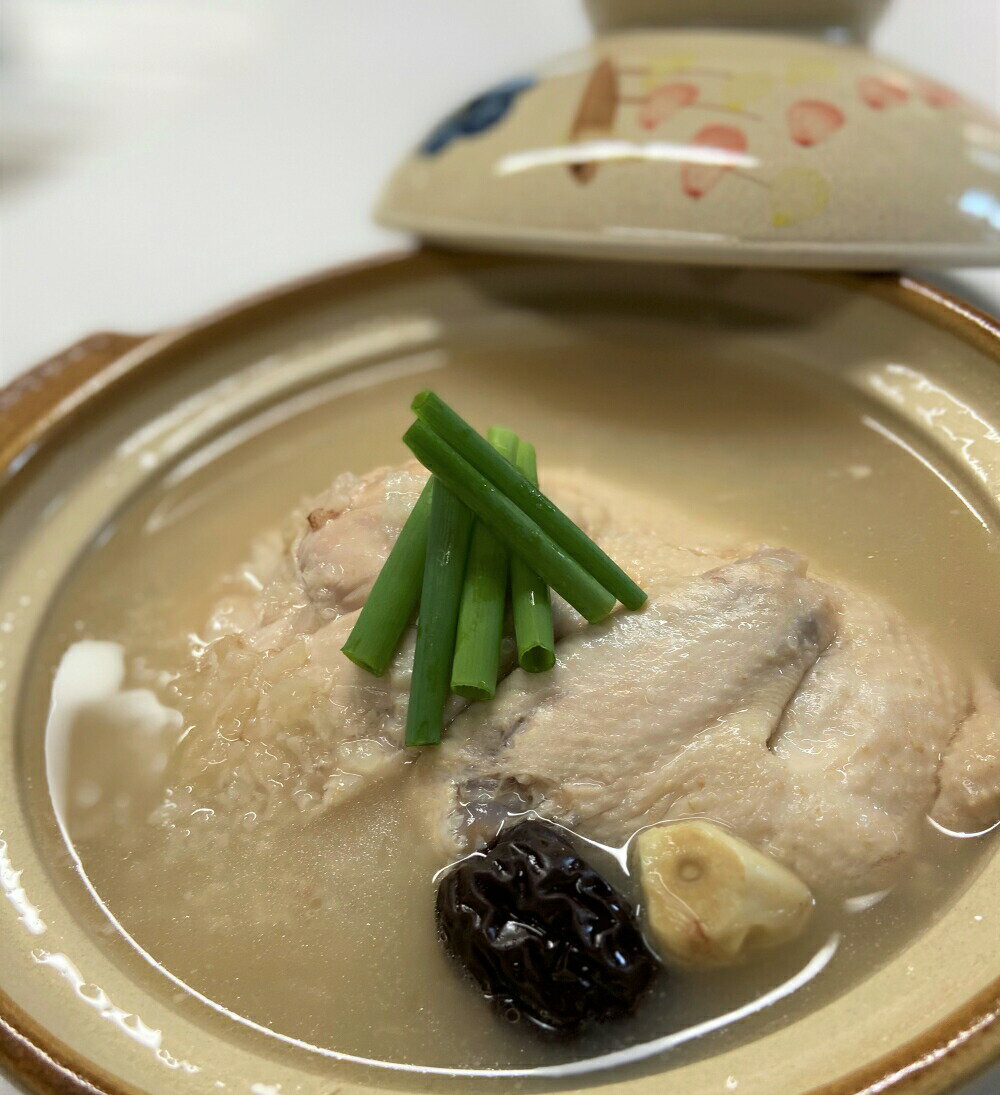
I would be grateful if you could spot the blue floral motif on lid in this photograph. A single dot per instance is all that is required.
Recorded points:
(475, 116)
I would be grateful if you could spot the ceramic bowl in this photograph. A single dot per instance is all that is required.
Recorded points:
(712, 146)
(82, 1010)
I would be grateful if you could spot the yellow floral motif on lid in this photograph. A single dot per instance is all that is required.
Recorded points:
(798, 193)
(657, 69)
(744, 88)
(810, 70)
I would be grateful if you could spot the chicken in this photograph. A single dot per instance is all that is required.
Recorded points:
(350, 531)
(280, 723)
(969, 777)
(289, 730)
(811, 721)
(607, 741)
(862, 744)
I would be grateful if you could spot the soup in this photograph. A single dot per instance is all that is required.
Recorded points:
(323, 931)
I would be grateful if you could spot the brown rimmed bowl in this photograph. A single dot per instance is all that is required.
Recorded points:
(78, 1014)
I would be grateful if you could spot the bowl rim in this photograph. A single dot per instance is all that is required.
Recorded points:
(36, 405)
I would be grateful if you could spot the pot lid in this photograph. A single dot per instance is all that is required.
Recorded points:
(712, 147)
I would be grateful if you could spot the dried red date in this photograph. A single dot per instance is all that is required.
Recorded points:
(542, 933)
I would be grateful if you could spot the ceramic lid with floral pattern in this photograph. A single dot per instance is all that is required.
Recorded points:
(705, 144)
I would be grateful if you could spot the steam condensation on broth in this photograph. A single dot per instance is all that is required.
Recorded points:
(289, 874)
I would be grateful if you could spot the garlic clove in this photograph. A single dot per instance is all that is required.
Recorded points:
(709, 897)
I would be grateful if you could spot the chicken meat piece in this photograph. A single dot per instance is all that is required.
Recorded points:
(349, 532)
(286, 731)
(861, 744)
(280, 723)
(811, 721)
(969, 800)
(600, 740)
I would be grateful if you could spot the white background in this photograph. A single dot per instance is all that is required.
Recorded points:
(162, 158)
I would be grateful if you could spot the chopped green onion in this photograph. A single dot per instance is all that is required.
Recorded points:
(530, 595)
(444, 568)
(479, 453)
(484, 599)
(376, 633)
(521, 535)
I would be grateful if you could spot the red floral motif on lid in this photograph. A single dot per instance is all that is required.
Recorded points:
(697, 179)
(811, 121)
(663, 103)
(881, 93)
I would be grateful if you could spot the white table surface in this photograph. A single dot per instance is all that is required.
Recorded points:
(161, 159)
